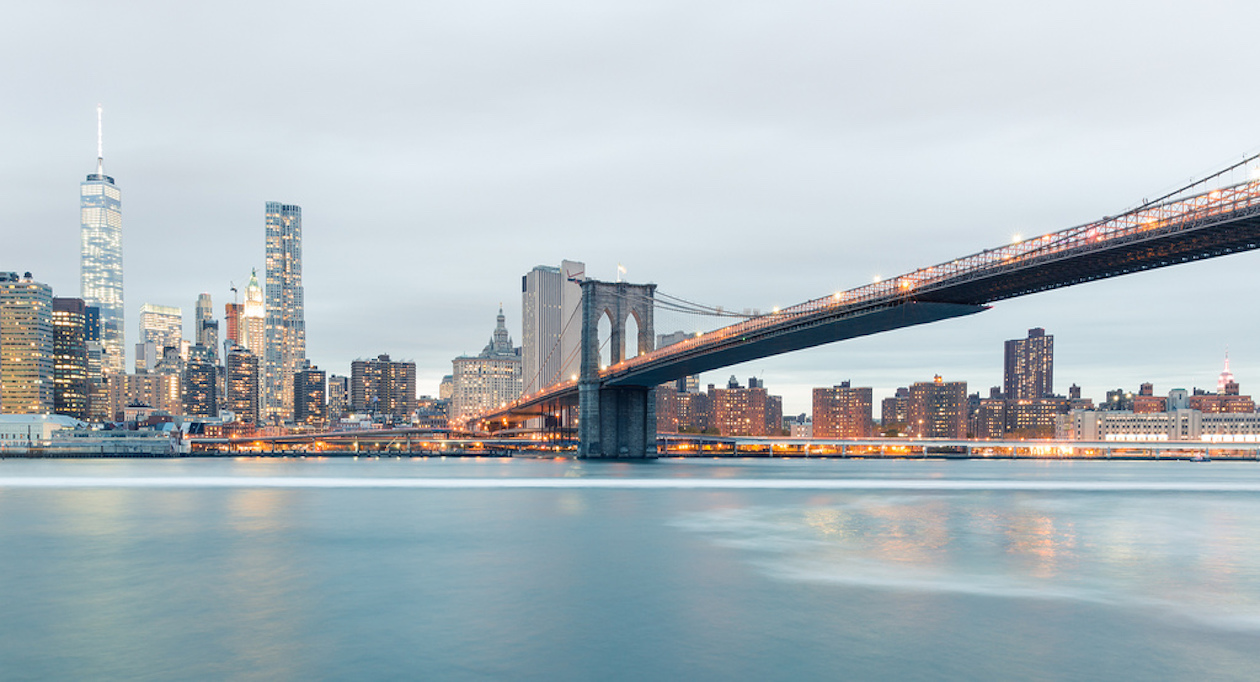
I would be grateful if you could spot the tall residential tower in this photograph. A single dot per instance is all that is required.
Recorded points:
(101, 258)
(1029, 372)
(286, 320)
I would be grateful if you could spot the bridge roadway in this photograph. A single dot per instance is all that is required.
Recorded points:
(1206, 225)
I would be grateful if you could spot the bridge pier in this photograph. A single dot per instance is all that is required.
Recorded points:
(616, 422)
(620, 421)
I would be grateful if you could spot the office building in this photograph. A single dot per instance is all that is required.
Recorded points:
(99, 407)
(241, 394)
(26, 345)
(201, 384)
(309, 405)
(1029, 366)
(937, 409)
(206, 328)
(161, 327)
(842, 412)
(233, 314)
(551, 324)
(485, 381)
(101, 257)
(285, 327)
(70, 358)
(383, 387)
(338, 396)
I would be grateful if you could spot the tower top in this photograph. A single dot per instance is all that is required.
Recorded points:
(100, 143)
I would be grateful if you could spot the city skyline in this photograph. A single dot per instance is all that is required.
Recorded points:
(722, 183)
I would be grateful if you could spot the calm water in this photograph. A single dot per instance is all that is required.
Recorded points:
(307, 569)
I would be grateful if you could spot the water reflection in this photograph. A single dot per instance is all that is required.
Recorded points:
(1180, 554)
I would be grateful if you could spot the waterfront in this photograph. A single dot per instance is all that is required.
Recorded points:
(397, 568)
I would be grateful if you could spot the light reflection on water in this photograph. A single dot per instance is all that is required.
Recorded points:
(586, 583)
(1193, 556)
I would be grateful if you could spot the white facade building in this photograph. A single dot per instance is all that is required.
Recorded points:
(1174, 425)
(485, 381)
(551, 325)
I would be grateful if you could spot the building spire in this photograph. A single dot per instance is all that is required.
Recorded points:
(100, 143)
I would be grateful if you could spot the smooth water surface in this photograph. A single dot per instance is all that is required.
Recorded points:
(673, 569)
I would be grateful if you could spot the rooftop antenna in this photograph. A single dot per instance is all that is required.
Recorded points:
(100, 143)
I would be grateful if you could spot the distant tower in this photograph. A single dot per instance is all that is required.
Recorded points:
(1225, 383)
(285, 346)
(206, 328)
(1029, 366)
(253, 317)
(101, 256)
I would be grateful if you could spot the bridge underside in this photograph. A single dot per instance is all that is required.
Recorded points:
(807, 335)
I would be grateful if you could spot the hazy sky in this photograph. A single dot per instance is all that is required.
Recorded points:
(737, 154)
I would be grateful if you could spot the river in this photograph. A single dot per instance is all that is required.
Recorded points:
(537, 569)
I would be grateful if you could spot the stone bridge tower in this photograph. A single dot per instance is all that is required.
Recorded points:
(615, 421)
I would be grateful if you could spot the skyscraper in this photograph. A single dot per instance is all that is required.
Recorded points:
(70, 358)
(382, 386)
(161, 327)
(286, 320)
(309, 405)
(550, 324)
(1029, 363)
(241, 395)
(201, 385)
(26, 345)
(206, 328)
(338, 397)
(101, 256)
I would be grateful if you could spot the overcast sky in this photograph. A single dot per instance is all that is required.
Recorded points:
(737, 154)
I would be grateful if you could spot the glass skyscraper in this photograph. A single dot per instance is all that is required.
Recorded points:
(101, 258)
(285, 317)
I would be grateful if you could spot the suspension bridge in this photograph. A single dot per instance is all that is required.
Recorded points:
(614, 400)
